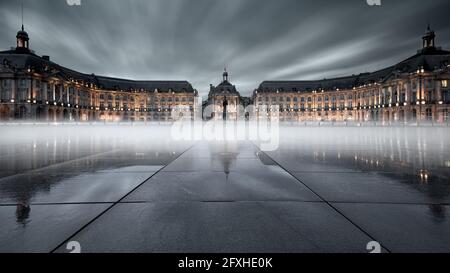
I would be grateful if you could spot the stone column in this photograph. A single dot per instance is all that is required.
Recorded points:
(61, 93)
(53, 91)
(30, 89)
(44, 94)
(68, 94)
(408, 92)
(13, 89)
(438, 90)
(77, 96)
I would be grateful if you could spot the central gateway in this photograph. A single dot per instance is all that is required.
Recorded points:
(224, 99)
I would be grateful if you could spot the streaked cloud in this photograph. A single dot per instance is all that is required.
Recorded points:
(256, 39)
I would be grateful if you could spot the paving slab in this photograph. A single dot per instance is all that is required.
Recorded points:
(377, 187)
(403, 227)
(265, 185)
(221, 227)
(42, 228)
(69, 187)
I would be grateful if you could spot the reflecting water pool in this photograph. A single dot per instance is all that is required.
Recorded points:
(136, 189)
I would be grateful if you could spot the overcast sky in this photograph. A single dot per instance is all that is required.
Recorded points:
(256, 39)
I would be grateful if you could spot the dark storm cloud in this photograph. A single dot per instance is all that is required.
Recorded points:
(194, 39)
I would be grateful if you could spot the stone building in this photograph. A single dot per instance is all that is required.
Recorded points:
(224, 94)
(414, 90)
(34, 88)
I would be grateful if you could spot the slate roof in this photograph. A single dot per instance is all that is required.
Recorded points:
(430, 59)
(22, 60)
(224, 88)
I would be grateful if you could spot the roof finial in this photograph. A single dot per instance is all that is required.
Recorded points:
(225, 74)
(22, 17)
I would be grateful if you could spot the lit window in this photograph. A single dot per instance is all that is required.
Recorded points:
(444, 83)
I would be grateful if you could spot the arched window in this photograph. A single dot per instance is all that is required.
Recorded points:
(429, 114)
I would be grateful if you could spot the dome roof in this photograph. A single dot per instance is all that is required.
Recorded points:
(224, 88)
(22, 34)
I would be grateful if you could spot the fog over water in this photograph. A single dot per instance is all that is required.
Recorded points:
(54, 179)
(26, 147)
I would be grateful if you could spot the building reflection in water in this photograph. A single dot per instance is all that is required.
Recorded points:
(417, 157)
(225, 154)
(36, 160)
(22, 213)
(438, 212)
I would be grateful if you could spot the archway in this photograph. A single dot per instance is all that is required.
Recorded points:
(387, 117)
(40, 113)
(58, 115)
(74, 115)
(66, 115)
(83, 116)
(429, 114)
(51, 115)
(21, 112)
(4, 113)
(401, 117)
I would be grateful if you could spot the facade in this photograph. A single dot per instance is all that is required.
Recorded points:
(34, 88)
(414, 90)
(223, 97)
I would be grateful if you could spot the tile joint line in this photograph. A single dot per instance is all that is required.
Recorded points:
(323, 200)
(115, 203)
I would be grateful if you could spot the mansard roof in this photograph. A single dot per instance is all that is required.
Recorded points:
(224, 88)
(17, 60)
(430, 59)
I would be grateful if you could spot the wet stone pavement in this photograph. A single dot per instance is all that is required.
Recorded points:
(316, 195)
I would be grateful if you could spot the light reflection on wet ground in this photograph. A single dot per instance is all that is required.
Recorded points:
(322, 190)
